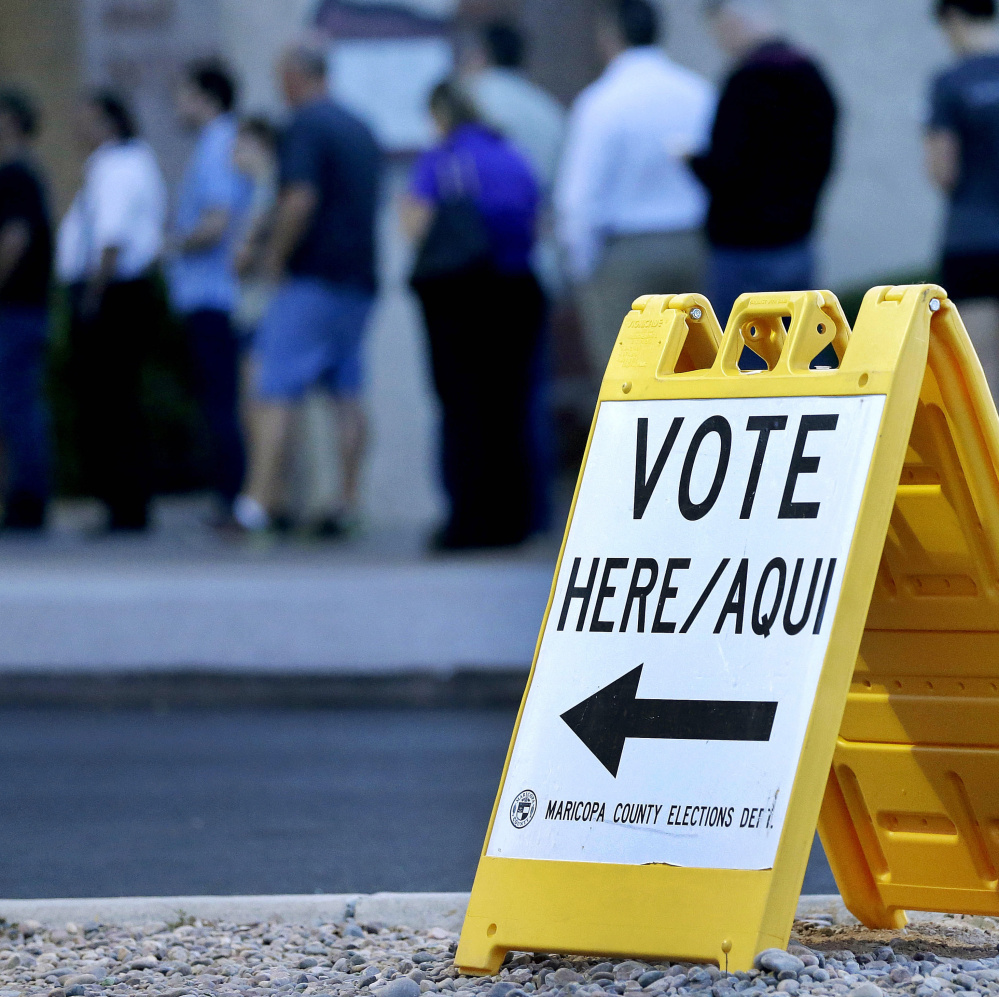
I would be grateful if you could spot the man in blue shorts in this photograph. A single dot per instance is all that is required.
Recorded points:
(322, 249)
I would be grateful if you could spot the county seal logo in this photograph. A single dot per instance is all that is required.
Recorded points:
(524, 807)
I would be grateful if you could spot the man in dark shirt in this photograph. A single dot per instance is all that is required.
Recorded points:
(322, 249)
(770, 154)
(25, 267)
(962, 145)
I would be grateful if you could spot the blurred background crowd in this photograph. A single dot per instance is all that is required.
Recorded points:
(348, 263)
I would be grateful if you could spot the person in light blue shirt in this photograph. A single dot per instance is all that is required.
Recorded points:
(211, 200)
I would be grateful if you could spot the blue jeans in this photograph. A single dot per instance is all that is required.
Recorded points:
(734, 271)
(24, 419)
(215, 351)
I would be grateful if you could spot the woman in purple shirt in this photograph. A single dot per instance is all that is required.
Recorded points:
(483, 313)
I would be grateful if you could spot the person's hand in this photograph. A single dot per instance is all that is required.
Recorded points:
(272, 267)
(243, 260)
(90, 302)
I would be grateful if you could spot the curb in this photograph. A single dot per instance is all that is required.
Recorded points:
(471, 688)
(418, 911)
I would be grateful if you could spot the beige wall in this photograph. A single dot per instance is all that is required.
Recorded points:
(39, 51)
(255, 31)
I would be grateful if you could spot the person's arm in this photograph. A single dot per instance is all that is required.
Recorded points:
(942, 142)
(208, 233)
(415, 214)
(587, 160)
(220, 187)
(943, 158)
(732, 133)
(97, 282)
(296, 206)
(15, 234)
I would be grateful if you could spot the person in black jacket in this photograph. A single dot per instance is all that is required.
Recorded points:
(771, 152)
(25, 269)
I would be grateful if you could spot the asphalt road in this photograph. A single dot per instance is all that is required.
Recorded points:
(135, 803)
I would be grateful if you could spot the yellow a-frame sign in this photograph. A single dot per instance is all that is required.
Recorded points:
(668, 765)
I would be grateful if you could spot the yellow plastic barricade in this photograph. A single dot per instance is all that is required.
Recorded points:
(911, 814)
(679, 726)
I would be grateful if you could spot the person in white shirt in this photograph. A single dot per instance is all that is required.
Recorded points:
(629, 210)
(107, 249)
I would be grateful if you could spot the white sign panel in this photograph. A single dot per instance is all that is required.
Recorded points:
(387, 81)
(690, 621)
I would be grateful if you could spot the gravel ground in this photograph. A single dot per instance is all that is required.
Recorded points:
(953, 954)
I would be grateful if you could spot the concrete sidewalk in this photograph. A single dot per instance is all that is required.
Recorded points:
(182, 600)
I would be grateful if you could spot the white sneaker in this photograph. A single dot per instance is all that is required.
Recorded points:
(250, 514)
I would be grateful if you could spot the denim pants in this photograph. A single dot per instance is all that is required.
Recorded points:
(23, 411)
(215, 351)
(734, 271)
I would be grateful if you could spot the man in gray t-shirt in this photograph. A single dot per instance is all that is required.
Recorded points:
(963, 155)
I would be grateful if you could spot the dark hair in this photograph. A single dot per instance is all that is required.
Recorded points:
(449, 100)
(116, 111)
(214, 80)
(504, 43)
(983, 10)
(20, 107)
(260, 128)
(637, 20)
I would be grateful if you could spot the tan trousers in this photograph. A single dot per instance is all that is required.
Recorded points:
(633, 265)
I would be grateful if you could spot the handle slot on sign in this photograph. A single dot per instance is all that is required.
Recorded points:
(788, 333)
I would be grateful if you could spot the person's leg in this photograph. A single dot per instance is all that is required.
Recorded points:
(507, 494)
(215, 352)
(440, 323)
(287, 360)
(981, 319)
(729, 275)
(23, 415)
(603, 302)
(119, 415)
(272, 425)
(348, 314)
(353, 433)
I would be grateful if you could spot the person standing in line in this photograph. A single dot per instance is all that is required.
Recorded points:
(322, 249)
(764, 189)
(628, 208)
(107, 249)
(25, 270)
(472, 207)
(255, 156)
(534, 122)
(508, 101)
(962, 146)
(211, 201)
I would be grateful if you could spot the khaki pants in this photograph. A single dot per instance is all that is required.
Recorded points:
(633, 265)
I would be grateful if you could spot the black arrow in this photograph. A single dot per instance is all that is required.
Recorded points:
(604, 720)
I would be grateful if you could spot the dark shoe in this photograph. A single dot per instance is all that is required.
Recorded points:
(24, 512)
(337, 526)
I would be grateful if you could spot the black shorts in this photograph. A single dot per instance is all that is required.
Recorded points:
(970, 275)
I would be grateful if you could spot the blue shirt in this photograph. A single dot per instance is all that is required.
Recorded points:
(206, 279)
(477, 162)
(965, 102)
(334, 152)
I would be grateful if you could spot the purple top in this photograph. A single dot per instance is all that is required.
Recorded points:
(475, 161)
